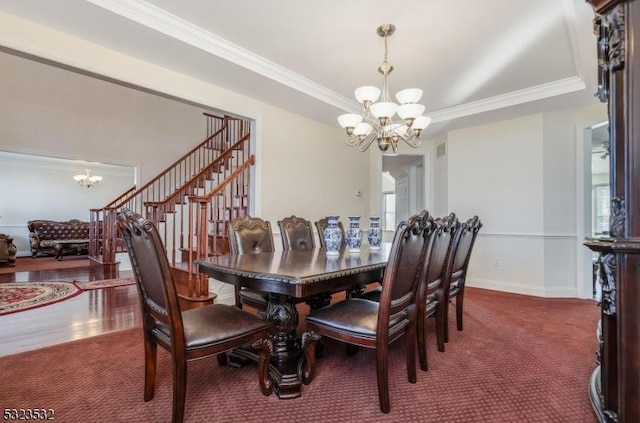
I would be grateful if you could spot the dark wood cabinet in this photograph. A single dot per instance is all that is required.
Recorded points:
(615, 383)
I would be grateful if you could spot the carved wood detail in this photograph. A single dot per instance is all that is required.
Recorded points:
(610, 32)
(618, 217)
(608, 281)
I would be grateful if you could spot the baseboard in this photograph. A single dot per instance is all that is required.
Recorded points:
(515, 288)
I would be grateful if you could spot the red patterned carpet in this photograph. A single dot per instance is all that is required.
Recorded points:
(519, 359)
(20, 296)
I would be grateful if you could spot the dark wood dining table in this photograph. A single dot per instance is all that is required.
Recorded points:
(288, 276)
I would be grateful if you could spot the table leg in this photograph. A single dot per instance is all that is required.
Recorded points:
(293, 358)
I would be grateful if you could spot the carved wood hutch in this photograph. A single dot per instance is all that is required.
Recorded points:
(615, 384)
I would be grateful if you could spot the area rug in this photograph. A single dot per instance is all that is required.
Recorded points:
(20, 296)
(105, 283)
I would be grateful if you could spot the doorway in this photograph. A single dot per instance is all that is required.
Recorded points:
(593, 194)
(43, 187)
(403, 188)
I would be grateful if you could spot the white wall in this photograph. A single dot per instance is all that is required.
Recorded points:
(308, 171)
(519, 177)
(559, 178)
(58, 113)
(438, 179)
(495, 172)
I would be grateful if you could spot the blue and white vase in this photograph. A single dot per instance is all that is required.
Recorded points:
(332, 236)
(354, 234)
(374, 234)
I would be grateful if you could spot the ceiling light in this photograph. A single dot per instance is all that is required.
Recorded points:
(378, 120)
(87, 180)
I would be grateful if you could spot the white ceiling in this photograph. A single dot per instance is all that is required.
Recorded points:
(476, 61)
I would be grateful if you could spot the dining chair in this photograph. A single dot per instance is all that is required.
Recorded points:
(187, 335)
(376, 325)
(457, 273)
(250, 235)
(430, 300)
(296, 233)
(432, 276)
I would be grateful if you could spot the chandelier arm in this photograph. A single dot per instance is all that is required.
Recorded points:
(413, 142)
(369, 118)
(365, 143)
(407, 136)
(352, 141)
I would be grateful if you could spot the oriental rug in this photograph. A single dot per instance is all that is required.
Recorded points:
(20, 296)
(105, 283)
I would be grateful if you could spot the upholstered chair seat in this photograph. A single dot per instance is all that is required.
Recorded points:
(200, 332)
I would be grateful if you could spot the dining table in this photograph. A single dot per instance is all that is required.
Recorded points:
(288, 277)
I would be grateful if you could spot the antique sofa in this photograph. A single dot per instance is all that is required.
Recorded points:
(7, 250)
(45, 234)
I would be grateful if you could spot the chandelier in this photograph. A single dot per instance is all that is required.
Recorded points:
(87, 180)
(378, 121)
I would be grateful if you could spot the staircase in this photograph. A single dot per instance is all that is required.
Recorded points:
(190, 203)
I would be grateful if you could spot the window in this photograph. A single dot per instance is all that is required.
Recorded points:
(389, 211)
(601, 206)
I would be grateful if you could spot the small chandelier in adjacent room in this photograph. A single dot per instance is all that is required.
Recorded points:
(377, 119)
(87, 180)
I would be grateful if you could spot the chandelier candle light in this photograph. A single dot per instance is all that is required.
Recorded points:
(87, 180)
(377, 119)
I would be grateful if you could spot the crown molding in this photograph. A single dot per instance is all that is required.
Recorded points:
(538, 92)
(173, 26)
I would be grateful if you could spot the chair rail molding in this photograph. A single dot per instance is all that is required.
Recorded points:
(533, 235)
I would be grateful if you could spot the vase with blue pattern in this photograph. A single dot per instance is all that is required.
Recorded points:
(354, 235)
(332, 236)
(374, 234)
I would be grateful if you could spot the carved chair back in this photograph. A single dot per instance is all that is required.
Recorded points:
(250, 235)
(156, 286)
(430, 297)
(296, 233)
(461, 254)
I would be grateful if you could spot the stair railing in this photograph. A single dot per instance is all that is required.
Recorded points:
(220, 133)
(221, 172)
(101, 221)
(208, 214)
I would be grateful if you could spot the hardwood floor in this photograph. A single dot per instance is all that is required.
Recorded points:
(89, 314)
